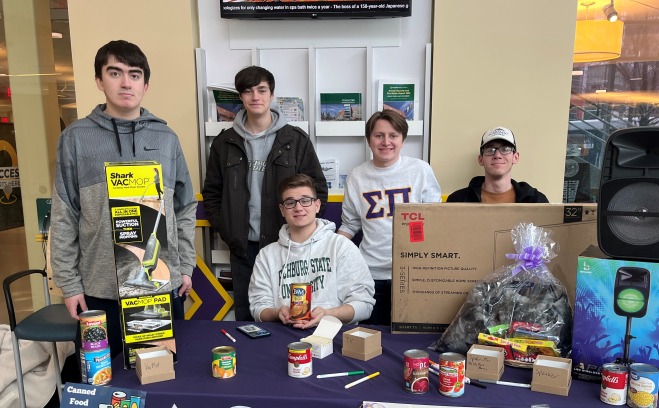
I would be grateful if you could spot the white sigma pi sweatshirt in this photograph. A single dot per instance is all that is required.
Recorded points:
(330, 262)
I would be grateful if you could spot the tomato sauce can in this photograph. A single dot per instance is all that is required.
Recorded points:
(643, 383)
(300, 301)
(224, 362)
(96, 366)
(451, 374)
(415, 371)
(614, 384)
(93, 330)
(299, 360)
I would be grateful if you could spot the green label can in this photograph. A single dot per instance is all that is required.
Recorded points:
(224, 362)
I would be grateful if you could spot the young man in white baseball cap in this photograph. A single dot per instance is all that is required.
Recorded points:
(498, 154)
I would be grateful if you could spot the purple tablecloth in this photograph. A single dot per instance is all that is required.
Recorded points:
(262, 379)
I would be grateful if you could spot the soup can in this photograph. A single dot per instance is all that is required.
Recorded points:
(299, 359)
(117, 397)
(451, 374)
(415, 371)
(643, 381)
(96, 366)
(224, 362)
(93, 330)
(614, 384)
(300, 301)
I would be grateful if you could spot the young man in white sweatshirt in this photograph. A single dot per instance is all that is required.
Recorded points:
(308, 251)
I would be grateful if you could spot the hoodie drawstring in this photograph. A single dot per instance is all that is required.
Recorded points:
(132, 125)
(116, 135)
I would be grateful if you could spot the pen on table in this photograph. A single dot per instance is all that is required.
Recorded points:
(228, 335)
(340, 374)
(361, 380)
(475, 383)
(510, 384)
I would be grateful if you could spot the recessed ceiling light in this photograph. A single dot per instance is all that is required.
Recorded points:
(56, 35)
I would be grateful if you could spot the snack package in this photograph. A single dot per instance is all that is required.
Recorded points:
(521, 305)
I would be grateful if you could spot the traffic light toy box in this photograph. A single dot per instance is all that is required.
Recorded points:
(616, 317)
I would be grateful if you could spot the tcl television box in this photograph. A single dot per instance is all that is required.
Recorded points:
(142, 256)
(441, 250)
(612, 296)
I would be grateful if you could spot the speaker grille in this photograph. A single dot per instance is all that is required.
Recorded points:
(635, 230)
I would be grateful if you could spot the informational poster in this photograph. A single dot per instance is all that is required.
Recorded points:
(11, 205)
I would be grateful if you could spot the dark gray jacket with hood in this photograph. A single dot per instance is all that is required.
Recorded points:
(82, 254)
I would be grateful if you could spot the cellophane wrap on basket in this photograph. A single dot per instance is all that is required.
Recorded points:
(521, 307)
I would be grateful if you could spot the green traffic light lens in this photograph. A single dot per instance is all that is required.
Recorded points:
(630, 300)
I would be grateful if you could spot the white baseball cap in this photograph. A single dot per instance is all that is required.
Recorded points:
(498, 133)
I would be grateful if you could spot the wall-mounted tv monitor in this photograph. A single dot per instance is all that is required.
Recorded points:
(301, 9)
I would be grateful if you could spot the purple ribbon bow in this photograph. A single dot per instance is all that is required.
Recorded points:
(531, 257)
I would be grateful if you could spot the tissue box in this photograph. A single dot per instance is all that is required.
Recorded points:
(321, 339)
(485, 362)
(552, 375)
(154, 364)
(362, 343)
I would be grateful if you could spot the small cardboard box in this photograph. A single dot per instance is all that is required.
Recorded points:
(552, 375)
(485, 362)
(322, 338)
(362, 343)
(600, 324)
(441, 250)
(154, 364)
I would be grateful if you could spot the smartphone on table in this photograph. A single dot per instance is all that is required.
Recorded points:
(253, 331)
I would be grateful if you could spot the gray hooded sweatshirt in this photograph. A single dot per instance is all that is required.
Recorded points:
(82, 253)
(257, 148)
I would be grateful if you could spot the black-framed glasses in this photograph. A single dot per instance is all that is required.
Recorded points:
(504, 150)
(304, 202)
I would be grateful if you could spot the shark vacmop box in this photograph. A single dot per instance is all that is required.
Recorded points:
(139, 229)
(615, 314)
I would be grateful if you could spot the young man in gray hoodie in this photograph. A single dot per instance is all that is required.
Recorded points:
(120, 130)
(245, 165)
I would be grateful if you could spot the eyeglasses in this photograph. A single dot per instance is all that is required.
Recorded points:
(304, 202)
(504, 150)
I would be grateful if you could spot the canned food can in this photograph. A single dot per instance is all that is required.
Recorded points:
(299, 360)
(96, 366)
(451, 374)
(614, 384)
(117, 397)
(224, 362)
(643, 381)
(415, 371)
(300, 301)
(93, 330)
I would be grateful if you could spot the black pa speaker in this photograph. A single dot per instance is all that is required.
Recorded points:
(628, 205)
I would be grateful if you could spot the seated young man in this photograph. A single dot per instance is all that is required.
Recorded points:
(498, 154)
(308, 251)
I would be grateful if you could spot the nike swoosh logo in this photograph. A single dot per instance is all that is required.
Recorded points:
(146, 149)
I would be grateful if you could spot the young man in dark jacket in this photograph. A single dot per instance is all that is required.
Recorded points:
(245, 166)
(498, 154)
